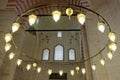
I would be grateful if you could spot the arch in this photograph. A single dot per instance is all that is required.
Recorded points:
(45, 55)
(71, 54)
(58, 54)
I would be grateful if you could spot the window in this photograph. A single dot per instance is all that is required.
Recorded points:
(71, 54)
(59, 34)
(45, 54)
(58, 53)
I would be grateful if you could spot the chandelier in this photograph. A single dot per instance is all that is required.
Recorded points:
(67, 9)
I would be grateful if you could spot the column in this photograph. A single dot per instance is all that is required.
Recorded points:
(8, 67)
(89, 75)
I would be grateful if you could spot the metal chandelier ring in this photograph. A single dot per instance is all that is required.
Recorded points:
(66, 5)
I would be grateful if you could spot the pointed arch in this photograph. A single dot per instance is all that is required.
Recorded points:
(72, 54)
(58, 54)
(46, 54)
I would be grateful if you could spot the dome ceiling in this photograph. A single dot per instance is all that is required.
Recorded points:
(22, 5)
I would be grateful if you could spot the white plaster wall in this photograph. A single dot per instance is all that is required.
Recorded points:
(110, 11)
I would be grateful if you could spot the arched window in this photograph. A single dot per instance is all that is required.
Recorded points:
(58, 55)
(45, 54)
(71, 54)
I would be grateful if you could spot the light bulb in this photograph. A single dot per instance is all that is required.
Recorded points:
(101, 26)
(15, 27)
(32, 19)
(61, 72)
(28, 67)
(19, 61)
(83, 70)
(112, 36)
(7, 46)
(113, 46)
(102, 61)
(56, 15)
(110, 55)
(8, 37)
(34, 65)
(38, 69)
(50, 71)
(77, 69)
(93, 67)
(72, 72)
(69, 12)
(81, 18)
(11, 55)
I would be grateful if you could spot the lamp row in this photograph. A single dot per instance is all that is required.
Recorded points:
(38, 69)
(56, 16)
(19, 61)
(72, 72)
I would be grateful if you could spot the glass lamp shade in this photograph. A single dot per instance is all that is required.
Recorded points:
(8, 37)
(83, 70)
(112, 36)
(34, 65)
(110, 55)
(81, 18)
(7, 46)
(72, 72)
(77, 68)
(101, 26)
(15, 27)
(113, 46)
(61, 72)
(102, 61)
(93, 67)
(56, 15)
(50, 71)
(19, 61)
(32, 19)
(38, 69)
(11, 55)
(28, 67)
(69, 12)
